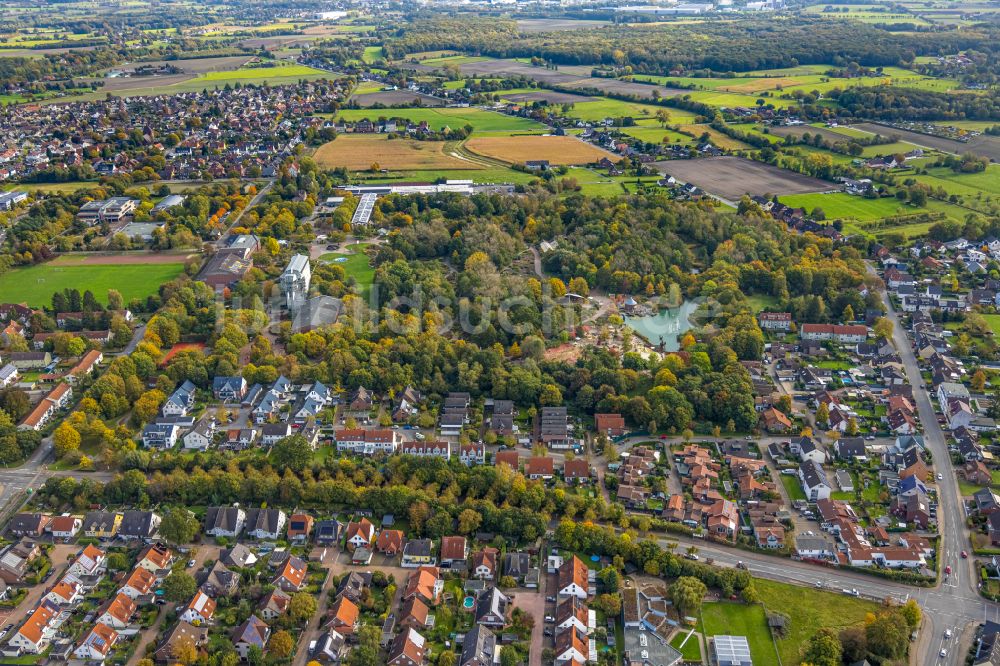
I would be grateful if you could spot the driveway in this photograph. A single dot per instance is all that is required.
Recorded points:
(532, 602)
(147, 636)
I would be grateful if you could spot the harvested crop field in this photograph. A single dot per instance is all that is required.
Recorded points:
(799, 130)
(394, 97)
(196, 65)
(987, 146)
(732, 177)
(641, 90)
(359, 152)
(550, 96)
(519, 149)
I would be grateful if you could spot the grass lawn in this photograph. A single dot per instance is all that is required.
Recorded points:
(793, 487)
(373, 53)
(737, 619)
(967, 489)
(839, 205)
(808, 611)
(994, 322)
(35, 285)
(356, 265)
(758, 302)
(692, 648)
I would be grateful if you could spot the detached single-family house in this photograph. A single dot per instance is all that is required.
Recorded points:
(265, 523)
(224, 521)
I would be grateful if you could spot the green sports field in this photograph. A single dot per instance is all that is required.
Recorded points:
(35, 285)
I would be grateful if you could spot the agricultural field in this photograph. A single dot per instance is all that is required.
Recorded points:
(482, 122)
(553, 24)
(250, 74)
(839, 205)
(600, 108)
(519, 149)
(865, 14)
(187, 82)
(358, 152)
(745, 85)
(47, 188)
(732, 177)
(657, 134)
(718, 139)
(988, 146)
(391, 97)
(35, 285)
(549, 96)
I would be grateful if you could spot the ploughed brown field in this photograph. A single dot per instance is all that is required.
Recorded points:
(732, 177)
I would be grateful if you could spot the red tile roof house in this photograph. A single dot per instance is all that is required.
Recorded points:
(389, 542)
(612, 425)
(426, 584)
(573, 579)
(343, 616)
(299, 526)
(360, 534)
(65, 527)
(484, 563)
(292, 576)
(454, 552)
(540, 467)
(577, 469)
(508, 457)
(274, 605)
(408, 649)
(413, 613)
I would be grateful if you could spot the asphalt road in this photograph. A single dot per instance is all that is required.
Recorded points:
(956, 601)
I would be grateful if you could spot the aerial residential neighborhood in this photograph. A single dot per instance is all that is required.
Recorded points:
(499, 334)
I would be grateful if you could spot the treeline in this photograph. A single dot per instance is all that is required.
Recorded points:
(432, 494)
(885, 103)
(720, 46)
(21, 71)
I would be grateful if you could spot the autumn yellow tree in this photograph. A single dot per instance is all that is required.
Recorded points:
(65, 439)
